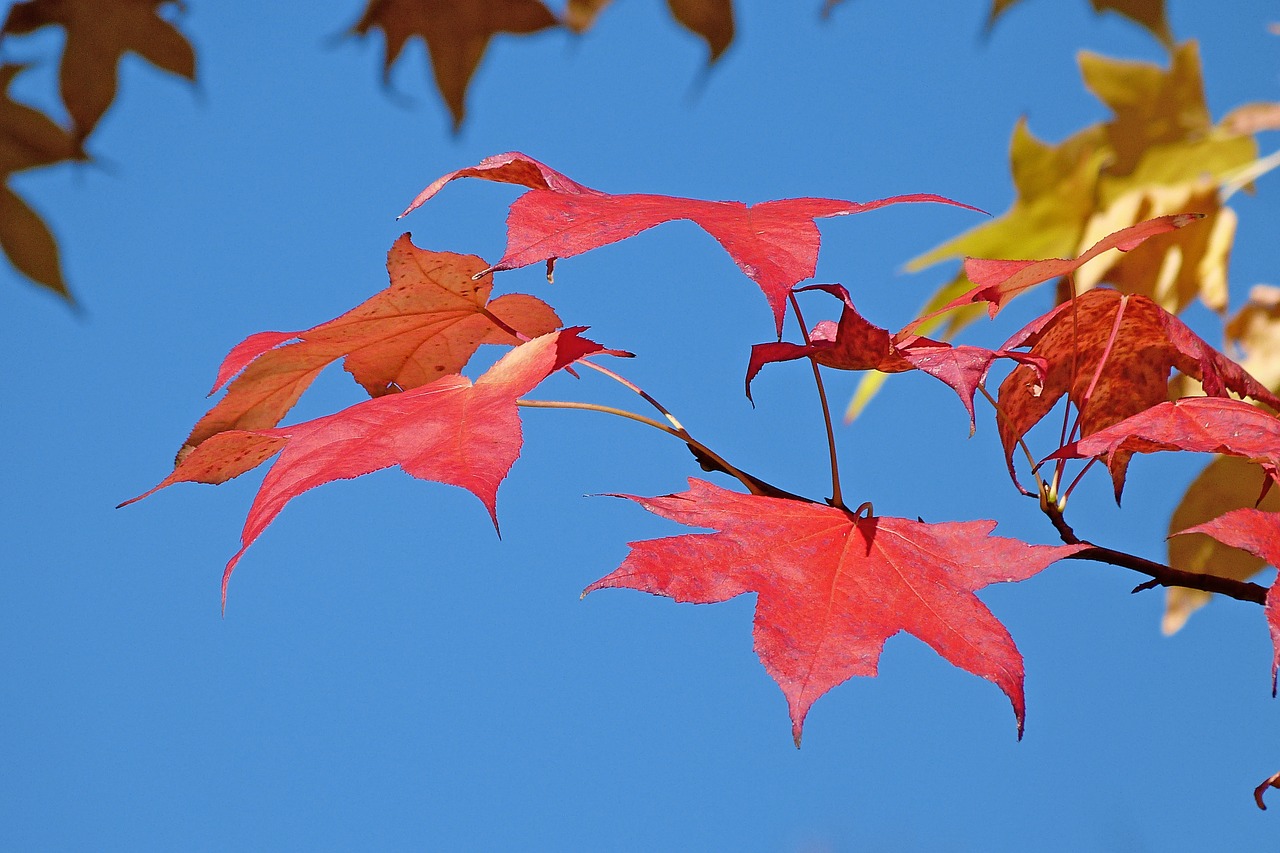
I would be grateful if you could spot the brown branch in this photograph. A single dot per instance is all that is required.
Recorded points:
(1161, 575)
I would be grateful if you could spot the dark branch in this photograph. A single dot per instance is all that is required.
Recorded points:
(1161, 575)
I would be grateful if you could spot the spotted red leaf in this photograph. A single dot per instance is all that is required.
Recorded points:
(426, 324)
(1111, 354)
(449, 431)
(1257, 532)
(774, 243)
(832, 587)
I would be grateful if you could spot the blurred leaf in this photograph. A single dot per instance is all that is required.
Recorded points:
(1228, 482)
(712, 20)
(1159, 154)
(1148, 13)
(27, 241)
(99, 33)
(1174, 268)
(29, 139)
(457, 35)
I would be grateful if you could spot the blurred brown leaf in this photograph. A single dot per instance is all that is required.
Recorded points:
(99, 33)
(29, 139)
(457, 34)
(712, 20)
(1148, 13)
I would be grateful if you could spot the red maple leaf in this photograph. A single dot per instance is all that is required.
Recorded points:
(1198, 424)
(1257, 532)
(833, 586)
(449, 431)
(774, 243)
(1111, 354)
(426, 324)
(855, 343)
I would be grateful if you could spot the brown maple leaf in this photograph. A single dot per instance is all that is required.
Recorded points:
(99, 33)
(833, 587)
(426, 324)
(457, 34)
(1150, 14)
(712, 20)
(29, 139)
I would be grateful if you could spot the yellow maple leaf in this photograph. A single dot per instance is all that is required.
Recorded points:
(1159, 153)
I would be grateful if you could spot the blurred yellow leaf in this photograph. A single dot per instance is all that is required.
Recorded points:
(1171, 269)
(1228, 482)
(1159, 153)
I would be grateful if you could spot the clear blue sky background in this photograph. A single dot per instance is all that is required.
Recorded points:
(389, 674)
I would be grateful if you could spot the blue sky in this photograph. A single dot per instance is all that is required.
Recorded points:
(391, 675)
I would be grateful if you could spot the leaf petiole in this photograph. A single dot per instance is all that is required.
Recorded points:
(837, 500)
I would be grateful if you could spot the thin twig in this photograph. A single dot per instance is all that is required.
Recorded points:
(1031, 460)
(707, 458)
(837, 499)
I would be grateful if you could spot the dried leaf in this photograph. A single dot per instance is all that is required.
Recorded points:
(1149, 14)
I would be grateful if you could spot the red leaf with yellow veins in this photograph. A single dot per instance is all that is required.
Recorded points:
(426, 324)
(1111, 355)
(832, 586)
(450, 431)
(774, 243)
(1257, 532)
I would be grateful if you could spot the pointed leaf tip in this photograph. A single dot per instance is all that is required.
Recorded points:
(774, 243)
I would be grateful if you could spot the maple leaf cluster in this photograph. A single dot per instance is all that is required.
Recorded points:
(833, 584)
(1160, 155)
